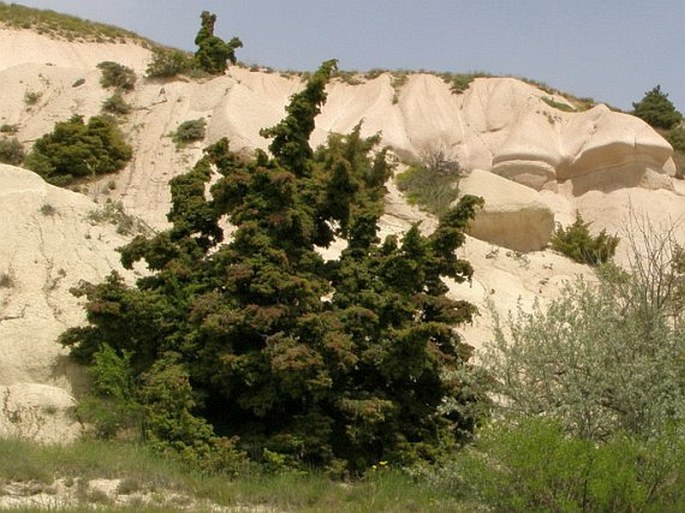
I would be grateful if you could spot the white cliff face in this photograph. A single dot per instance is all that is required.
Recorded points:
(49, 244)
(534, 165)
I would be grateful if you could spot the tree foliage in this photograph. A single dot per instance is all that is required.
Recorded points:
(656, 109)
(169, 62)
(431, 183)
(77, 149)
(533, 465)
(213, 53)
(117, 75)
(338, 363)
(189, 131)
(604, 358)
(576, 242)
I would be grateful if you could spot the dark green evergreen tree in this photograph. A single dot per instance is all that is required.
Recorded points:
(338, 363)
(213, 53)
(656, 109)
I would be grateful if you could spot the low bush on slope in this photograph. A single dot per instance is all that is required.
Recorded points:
(75, 149)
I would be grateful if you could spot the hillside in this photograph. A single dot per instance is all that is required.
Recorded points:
(535, 165)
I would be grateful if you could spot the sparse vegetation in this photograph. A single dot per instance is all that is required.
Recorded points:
(397, 82)
(189, 131)
(460, 82)
(352, 78)
(116, 104)
(11, 151)
(75, 149)
(64, 26)
(32, 97)
(48, 210)
(384, 490)
(169, 62)
(576, 242)
(113, 212)
(557, 105)
(117, 75)
(9, 129)
(6, 281)
(431, 183)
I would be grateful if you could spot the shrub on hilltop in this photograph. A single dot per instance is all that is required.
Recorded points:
(656, 109)
(214, 53)
(169, 62)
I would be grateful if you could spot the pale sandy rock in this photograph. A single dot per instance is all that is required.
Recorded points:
(26, 46)
(599, 163)
(514, 216)
(38, 412)
(49, 246)
(606, 150)
(531, 154)
(506, 280)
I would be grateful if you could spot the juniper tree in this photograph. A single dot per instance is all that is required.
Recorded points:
(338, 363)
(213, 53)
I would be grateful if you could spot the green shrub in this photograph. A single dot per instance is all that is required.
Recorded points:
(116, 104)
(110, 407)
(431, 183)
(75, 149)
(32, 97)
(656, 109)
(603, 358)
(534, 466)
(460, 82)
(577, 243)
(169, 62)
(676, 138)
(117, 75)
(557, 105)
(6, 281)
(357, 357)
(170, 425)
(113, 212)
(189, 131)
(213, 54)
(9, 129)
(47, 210)
(11, 151)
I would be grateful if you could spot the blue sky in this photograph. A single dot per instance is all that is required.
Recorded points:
(611, 50)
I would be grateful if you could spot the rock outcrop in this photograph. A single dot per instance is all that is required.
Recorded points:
(532, 162)
(514, 216)
(50, 243)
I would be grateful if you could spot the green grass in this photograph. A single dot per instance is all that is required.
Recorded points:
(432, 182)
(557, 105)
(382, 491)
(64, 26)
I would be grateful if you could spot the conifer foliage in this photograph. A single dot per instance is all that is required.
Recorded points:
(656, 109)
(337, 364)
(213, 52)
